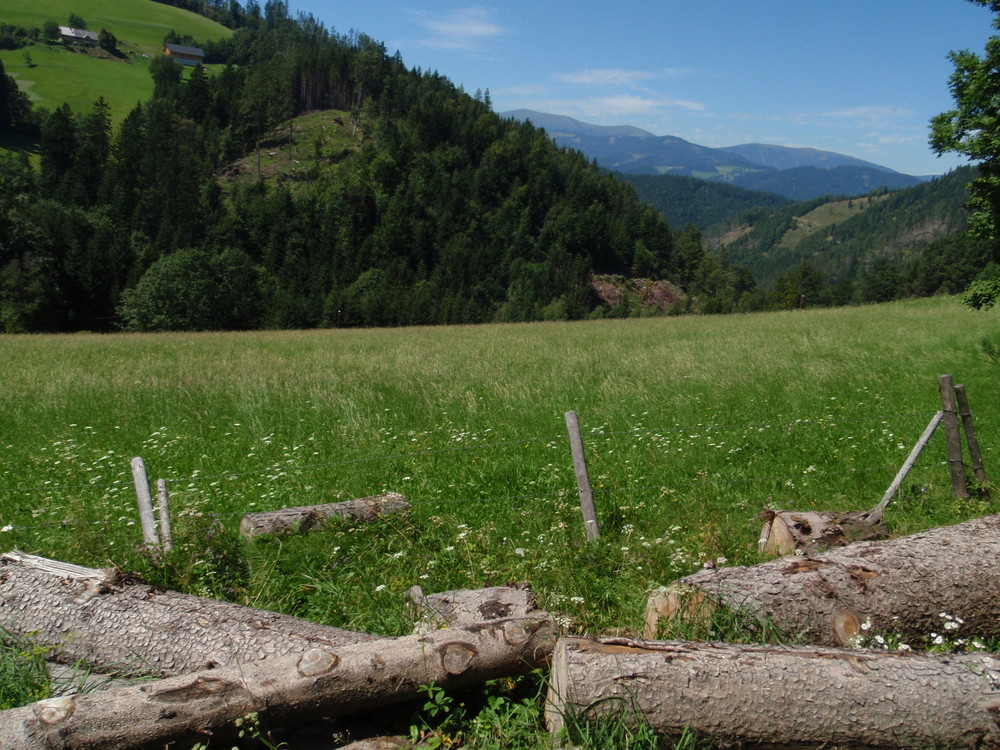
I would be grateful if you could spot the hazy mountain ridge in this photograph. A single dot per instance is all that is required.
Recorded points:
(796, 173)
(786, 157)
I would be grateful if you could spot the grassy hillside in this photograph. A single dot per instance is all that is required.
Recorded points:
(58, 74)
(142, 23)
(310, 148)
(824, 216)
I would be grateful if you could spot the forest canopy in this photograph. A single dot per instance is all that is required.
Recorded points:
(439, 212)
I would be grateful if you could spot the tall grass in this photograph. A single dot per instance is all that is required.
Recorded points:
(691, 426)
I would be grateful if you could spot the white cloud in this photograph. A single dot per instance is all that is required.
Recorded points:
(525, 90)
(618, 76)
(609, 109)
(628, 104)
(606, 77)
(860, 117)
(463, 29)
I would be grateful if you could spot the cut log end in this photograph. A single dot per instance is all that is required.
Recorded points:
(668, 606)
(846, 626)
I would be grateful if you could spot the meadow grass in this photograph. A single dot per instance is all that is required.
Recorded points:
(691, 425)
(59, 74)
(140, 22)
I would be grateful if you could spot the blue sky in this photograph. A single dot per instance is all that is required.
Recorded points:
(859, 77)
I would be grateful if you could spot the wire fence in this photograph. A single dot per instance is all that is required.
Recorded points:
(600, 442)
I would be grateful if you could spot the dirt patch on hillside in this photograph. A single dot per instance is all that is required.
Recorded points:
(645, 294)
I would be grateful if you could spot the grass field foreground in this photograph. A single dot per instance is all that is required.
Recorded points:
(692, 425)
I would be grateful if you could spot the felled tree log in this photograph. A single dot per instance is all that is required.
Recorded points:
(286, 689)
(464, 607)
(771, 696)
(902, 586)
(785, 531)
(99, 617)
(313, 516)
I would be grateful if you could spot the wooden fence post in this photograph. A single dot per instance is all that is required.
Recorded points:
(955, 464)
(145, 502)
(975, 455)
(875, 514)
(166, 534)
(582, 478)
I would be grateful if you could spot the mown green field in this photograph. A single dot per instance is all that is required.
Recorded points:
(692, 425)
(57, 74)
(139, 22)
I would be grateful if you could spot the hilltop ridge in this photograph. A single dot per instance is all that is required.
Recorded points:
(796, 173)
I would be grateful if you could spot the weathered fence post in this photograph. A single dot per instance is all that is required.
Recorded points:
(975, 455)
(875, 515)
(145, 502)
(166, 534)
(955, 464)
(582, 478)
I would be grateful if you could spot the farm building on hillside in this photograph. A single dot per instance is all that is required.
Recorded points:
(185, 55)
(80, 37)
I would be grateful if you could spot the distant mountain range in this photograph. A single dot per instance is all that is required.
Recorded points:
(796, 173)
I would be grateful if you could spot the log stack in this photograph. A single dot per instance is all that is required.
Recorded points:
(900, 586)
(319, 682)
(100, 617)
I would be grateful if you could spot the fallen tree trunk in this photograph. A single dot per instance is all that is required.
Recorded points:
(99, 617)
(313, 516)
(902, 586)
(780, 696)
(319, 682)
(464, 607)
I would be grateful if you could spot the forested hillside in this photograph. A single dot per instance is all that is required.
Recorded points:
(689, 200)
(874, 248)
(886, 225)
(441, 213)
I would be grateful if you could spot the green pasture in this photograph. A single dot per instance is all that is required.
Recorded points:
(692, 425)
(58, 75)
(142, 23)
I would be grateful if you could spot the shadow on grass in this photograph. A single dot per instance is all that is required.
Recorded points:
(18, 142)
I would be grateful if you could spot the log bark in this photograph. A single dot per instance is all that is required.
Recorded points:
(813, 531)
(318, 682)
(464, 607)
(767, 696)
(99, 617)
(313, 516)
(902, 586)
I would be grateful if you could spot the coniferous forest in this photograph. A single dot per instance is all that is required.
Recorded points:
(444, 213)
(429, 209)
